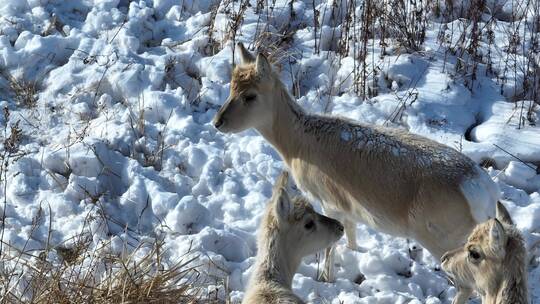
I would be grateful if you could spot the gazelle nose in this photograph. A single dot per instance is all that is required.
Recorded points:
(218, 122)
(340, 227)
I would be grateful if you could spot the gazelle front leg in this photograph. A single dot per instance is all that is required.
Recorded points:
(327, 274)
(350, 233)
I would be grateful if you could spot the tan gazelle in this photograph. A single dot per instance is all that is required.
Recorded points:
(290, 230)
(492, 262)
(394, 181)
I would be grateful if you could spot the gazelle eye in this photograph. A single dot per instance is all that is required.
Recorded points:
(309, 225)
(250, 98)
(474, 255)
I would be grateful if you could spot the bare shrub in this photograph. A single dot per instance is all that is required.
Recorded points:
(406, 22)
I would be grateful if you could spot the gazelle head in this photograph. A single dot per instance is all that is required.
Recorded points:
(300, 229)
(250, 102)
(482, 263)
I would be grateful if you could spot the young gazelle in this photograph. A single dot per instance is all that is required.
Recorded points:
(492, 262)
(290, 229)
(394, 181)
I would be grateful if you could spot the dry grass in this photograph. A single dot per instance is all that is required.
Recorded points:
(23, 92)
(12, 142)
(88, 269)
(124, 279)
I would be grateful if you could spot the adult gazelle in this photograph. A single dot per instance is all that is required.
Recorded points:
(394, 181)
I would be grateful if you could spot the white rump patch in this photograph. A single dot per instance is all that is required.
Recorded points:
(482, 195)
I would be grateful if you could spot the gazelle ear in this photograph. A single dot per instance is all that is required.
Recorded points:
(503, 215)
(245, 55)
(497, 237)
(263, 65)
(283, 206)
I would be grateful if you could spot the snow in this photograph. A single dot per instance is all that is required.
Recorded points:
(522, 175)
(122, 125)
(503, 129)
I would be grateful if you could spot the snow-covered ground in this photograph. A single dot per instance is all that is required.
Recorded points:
(121, 129)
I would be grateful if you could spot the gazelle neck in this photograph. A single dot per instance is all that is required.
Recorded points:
(512, 287)
(276, 262)
(285, 130)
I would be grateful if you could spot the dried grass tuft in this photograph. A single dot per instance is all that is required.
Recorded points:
(24, 92)
(139, 277)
